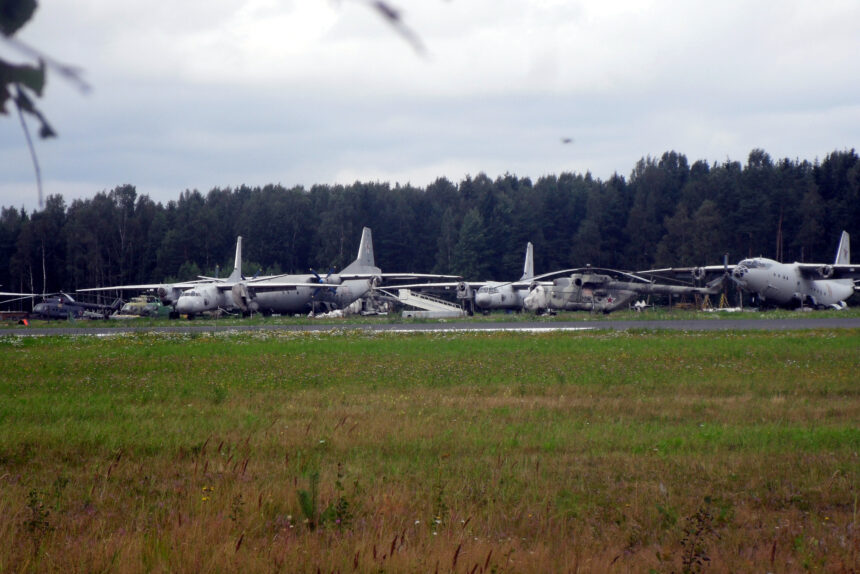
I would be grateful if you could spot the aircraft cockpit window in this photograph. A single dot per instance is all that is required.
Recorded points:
(754, 264)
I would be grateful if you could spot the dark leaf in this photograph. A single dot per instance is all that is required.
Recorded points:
(30, 76)
(14, 14)
(25, 104)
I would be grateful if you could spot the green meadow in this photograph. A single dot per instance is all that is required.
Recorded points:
(343, 451)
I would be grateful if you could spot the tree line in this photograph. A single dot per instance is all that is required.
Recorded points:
(665, 213)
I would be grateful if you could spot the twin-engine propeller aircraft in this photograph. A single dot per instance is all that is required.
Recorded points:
(818, 285)
(498, 295)
(602, 290)
(170, 293)
(279, 293)
(305, 293)
(488, 295)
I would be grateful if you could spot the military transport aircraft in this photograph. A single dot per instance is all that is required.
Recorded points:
(308, 292)
(498, 295)
(488, 295)
(601, 290)
(818, 285)
(169, 293)
(274, 294)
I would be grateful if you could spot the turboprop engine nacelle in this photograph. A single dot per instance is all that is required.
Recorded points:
(169, 294)
(464, 290)
(243, 298)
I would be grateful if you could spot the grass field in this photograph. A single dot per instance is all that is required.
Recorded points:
(494, 452)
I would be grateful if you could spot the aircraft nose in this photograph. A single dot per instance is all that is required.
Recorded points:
(530, 303)
(738, 274)
(482, 299)
(185, 305)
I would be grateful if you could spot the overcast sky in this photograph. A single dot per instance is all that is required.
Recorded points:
(217, 93)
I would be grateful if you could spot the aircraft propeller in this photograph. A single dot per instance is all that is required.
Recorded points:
(331, 279)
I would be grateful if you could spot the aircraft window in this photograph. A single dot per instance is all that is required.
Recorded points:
(754, 264)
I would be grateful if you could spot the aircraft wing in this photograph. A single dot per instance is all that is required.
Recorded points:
(396, 276)
(819, 271)
(272, 283)
(144, 287)
(417, 276)
(122, 288)
(275, 285)
(437, 285)
(688, 274)
(207, 279)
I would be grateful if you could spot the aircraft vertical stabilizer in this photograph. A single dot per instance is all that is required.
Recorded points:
(843, 254)
(236, 275)
(529, 267)
(364, 262)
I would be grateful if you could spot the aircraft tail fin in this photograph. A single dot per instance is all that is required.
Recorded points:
(529, 266)
(843, 254)
(364, 261)
(236, 275)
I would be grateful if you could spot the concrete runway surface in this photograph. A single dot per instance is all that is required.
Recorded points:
(721, 324)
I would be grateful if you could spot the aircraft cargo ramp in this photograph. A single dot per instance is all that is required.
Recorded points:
(427, 307)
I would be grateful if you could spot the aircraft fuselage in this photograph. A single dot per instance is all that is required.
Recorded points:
(205, 297)
(301, 299)
(784, 284)
(500, 296)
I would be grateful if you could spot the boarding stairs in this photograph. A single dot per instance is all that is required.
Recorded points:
(431, 306)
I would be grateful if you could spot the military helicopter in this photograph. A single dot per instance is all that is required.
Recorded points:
(142, 306)
(602, 290)
(63, 306)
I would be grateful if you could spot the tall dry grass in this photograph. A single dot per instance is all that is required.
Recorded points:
(455, 453)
